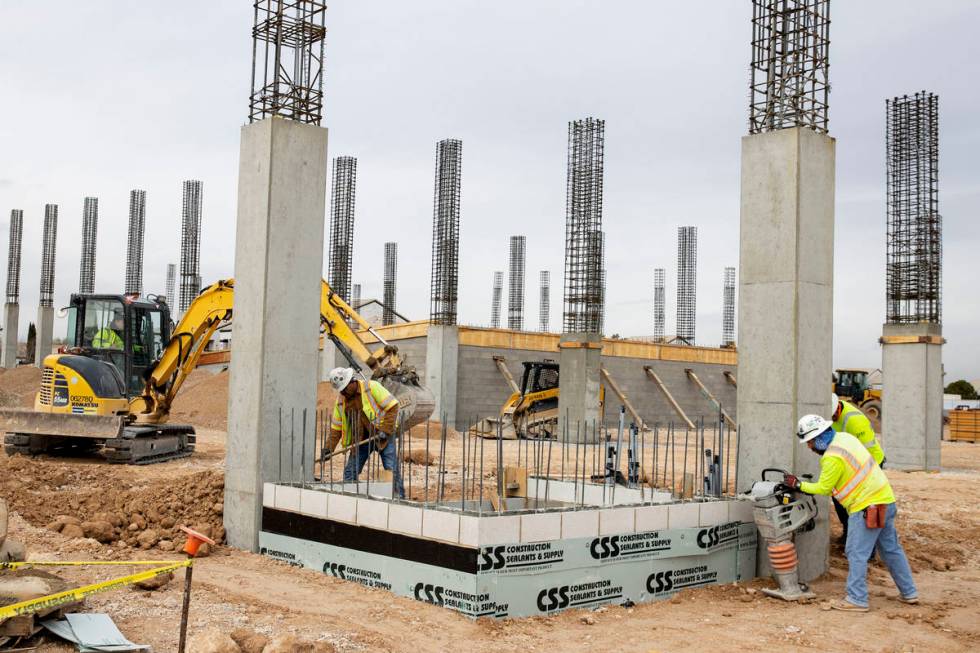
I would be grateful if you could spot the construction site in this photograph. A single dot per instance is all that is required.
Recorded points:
(304, 438)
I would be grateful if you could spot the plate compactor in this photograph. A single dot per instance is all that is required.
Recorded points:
(780, 512)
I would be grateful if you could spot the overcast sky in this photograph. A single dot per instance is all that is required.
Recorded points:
(103, 97)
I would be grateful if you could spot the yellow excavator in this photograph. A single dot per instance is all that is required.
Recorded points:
(124, 364)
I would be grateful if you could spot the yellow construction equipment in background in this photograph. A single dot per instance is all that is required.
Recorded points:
(853, 385)
(114, 385)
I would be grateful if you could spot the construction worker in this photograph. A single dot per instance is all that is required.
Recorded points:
(364, 409)
(111, 337)
(849, 473)
(848, 418)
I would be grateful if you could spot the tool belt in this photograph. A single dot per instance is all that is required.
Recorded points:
(875, 515)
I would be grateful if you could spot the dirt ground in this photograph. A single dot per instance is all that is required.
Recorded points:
(234, 589)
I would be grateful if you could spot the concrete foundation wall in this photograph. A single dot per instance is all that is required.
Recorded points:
(912, 398)
(8, 354)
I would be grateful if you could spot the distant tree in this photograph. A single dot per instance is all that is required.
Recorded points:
(31, 344)
(962, 388)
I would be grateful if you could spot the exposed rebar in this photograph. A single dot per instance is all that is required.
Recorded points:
(341, 254)
(515, 283)
(90, 227)
(728, 309)
(544, 302)
(687, 264)
(659, 296)
(498, 286)
(355, 300)
(790, 65)
(914, 249)
(445, 232)
(171, 279)
(583, 227)
(190, 243)
(13, 255)
(390, 275)
(48, 241)
(134, 242)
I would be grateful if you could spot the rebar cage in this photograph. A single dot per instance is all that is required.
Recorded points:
(659, 311)
(341, 254)
(687, 267)
(728, 308)
(498, 287)
(391, 272)
(445, 232)
(515, 297)
(544, 301)
(190, 243)
(13, 255)
(48, 241)
(134, 242)
(90, 227)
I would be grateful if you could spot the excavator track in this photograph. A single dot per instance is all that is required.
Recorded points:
(148, 444)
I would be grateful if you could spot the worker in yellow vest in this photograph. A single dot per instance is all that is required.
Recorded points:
(364, 410)
(848, 418)
(849, 473)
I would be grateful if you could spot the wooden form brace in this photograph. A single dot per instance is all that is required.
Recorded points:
(499, 360)
(710, 397)
(670, 399)
(622, 397)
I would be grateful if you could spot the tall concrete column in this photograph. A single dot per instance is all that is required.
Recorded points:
(912, 395)
(441, 367)
(278, 262)
(11, 315)
(45, 333)
(785, 328)
(579, 360)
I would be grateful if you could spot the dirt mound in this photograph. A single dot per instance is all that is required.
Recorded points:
(18, 386)
(110, 507)
(203, 400)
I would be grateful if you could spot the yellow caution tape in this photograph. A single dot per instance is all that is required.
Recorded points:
(79, 593)
(85, 563)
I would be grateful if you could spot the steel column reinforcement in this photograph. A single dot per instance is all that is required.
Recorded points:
(134, 243)
(790, 64)
(287, 60)
(659, 296)
(728, 309)
(583, 227)
(341, 254)
(498, 287)
(544, 302)
(90, 227)
(687, 266)
(515, 283)
(355, 300)
(171, 279)
(390, 277)
(13, 255)
(190, 243)
(445, 232)
(914, 249)
(49, 239)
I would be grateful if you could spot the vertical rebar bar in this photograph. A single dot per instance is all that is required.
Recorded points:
(90, 228)
(13, 255)
(340, 255)
(190, 242)
(445, 232)
(544, 301)
(389, 283)
(498, 286)
(49, 240)
(515, 283)
(659, 308)
(687, 264)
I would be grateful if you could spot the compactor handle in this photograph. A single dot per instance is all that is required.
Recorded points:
(781, 472)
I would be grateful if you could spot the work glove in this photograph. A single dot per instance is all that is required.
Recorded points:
(791, 481)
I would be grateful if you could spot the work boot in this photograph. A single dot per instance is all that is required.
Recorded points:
(846, 606)
(910, 600)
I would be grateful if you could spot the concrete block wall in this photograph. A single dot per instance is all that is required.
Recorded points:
(482, 389)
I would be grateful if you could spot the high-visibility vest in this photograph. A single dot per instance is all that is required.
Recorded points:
(853, 420)
(375, 402)
(862, 483)
(107, 339)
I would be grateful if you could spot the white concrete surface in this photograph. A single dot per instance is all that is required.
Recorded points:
(45, 331)
(617, 520)
(373, 514)
(8, 354)
(785, 325)
(278, 266)
(342, 507)
(440, 525)
(912, 398)
(713, 513)
(541, 527)
(441, 367)
(405, 519)
(580, 523)
(313, 503)
(651, 518)
(683, 515)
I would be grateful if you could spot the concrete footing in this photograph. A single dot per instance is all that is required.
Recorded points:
(785, 334)
(278, 263)
(579, 358)
(912, 395)
(8, 354)
(441, 366)
(45, 333)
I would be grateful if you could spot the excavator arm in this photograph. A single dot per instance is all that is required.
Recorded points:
(213, 307)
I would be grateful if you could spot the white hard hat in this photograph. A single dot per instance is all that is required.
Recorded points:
(834, 402)
(340, 377)
(810, 426)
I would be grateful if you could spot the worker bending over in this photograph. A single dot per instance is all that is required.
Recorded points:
(364, 409)
(848, 418)
(849, 472)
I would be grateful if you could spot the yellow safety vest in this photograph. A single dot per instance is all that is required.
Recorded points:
(375, 402)
(862, 483)
(853, 420)
(107, 339)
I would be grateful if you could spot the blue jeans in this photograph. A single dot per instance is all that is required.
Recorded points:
(389, 460)
(861, 542)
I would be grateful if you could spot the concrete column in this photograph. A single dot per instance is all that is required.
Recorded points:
(441, 367)
(579, 360)
(912, 395)
(45, 332)
(329, 358)
(11, 315)
(785, 326)
(278, 258)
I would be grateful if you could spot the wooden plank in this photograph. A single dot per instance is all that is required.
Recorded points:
(622, 397)
(730, 378)
(911, 340)
(500, 362)
(710, 397)
(670, 398)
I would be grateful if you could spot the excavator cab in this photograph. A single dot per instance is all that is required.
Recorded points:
(126, 331)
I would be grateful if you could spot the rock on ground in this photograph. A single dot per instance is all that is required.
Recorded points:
(249, 641)
(212, 641)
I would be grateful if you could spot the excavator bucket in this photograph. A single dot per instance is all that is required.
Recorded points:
(415, 402)
(491, 427)
(26, 422)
